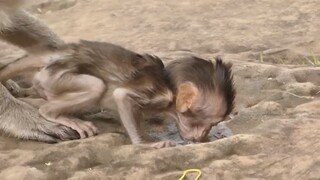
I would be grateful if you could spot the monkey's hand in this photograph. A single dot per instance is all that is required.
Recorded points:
(52, 133)
(32, 127)
(40, 129)
(163, 144)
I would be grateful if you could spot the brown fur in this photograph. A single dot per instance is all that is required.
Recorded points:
(95, 75)
(204, 92)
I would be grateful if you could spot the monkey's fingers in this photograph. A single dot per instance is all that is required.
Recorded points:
(84, 128)
(163, 144)
(93, 128)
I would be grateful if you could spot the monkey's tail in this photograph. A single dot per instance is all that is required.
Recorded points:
(223, 78)
(19, 66)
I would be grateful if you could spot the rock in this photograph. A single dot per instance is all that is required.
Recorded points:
(303, 89)
(269, 107)
(311, 107)
(172, 46)
(22, 172)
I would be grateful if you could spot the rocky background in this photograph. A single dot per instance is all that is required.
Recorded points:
(275, 49)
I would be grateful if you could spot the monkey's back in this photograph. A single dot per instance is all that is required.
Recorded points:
(111, 63)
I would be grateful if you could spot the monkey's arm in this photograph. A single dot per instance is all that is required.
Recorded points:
(130, 102)
(128, 114)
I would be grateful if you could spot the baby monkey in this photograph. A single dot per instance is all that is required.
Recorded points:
(203, 95)
(89, 76)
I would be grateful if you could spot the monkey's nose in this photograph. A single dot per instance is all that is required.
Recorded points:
(195, 139)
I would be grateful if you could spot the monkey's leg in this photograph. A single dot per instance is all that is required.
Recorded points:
(79, 93)
(23, 121)
(13, 69)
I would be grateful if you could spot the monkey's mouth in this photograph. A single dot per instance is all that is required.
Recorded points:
(186, 142)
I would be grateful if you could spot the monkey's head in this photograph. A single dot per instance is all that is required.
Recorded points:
(199, 108)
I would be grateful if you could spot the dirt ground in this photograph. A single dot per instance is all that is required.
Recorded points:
(275, 49)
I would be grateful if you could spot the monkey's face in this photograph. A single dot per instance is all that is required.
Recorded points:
(197, 113)
(195, 124)
(192, 128)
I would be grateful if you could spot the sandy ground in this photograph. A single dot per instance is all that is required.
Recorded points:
(275, 49)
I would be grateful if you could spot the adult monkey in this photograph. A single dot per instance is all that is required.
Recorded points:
(17, 118)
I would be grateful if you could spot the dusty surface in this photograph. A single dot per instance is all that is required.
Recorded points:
(275, 48)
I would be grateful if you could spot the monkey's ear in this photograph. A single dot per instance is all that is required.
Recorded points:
(186, 96)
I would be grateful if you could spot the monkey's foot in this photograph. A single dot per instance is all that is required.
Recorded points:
(84, 128)
(163, 144)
